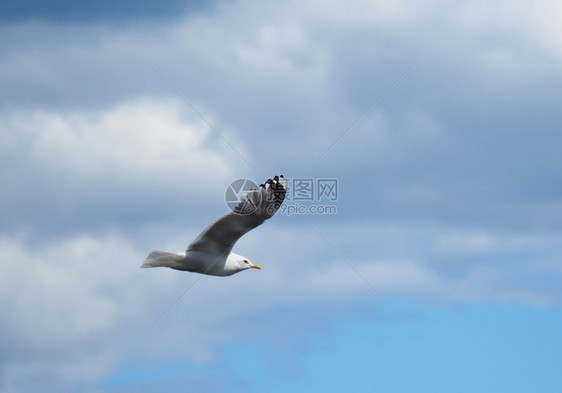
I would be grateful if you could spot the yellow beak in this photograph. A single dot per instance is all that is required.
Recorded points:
(256, 267)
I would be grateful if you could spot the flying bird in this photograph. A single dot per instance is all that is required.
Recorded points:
(210, 253)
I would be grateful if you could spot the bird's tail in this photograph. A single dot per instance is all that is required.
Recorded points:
(163, 259)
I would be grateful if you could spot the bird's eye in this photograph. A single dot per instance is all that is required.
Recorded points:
(245, 261)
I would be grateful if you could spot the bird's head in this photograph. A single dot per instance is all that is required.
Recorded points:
(238, 263)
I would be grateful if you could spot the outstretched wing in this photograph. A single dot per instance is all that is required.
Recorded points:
(256, 207)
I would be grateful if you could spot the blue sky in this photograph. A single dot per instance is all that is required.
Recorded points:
(449, 195)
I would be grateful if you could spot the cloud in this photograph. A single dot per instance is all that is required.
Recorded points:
(60, 11)
(131, 138)
(58, 302)
(76, 309)
(422, 263)
(323, 65)
(108, 162)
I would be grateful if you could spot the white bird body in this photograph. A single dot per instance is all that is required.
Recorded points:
(199, 262)
(210, 253)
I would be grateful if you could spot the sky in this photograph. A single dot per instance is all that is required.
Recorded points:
(433, 266)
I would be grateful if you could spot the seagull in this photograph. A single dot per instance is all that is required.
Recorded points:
(210, 253)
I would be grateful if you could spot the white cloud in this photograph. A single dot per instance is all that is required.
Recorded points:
(425, 262)
(140, 139)
(76, 309)
(139, 157)
(63, 294)
(467, 242)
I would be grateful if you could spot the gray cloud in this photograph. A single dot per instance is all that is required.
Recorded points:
(102, 11)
